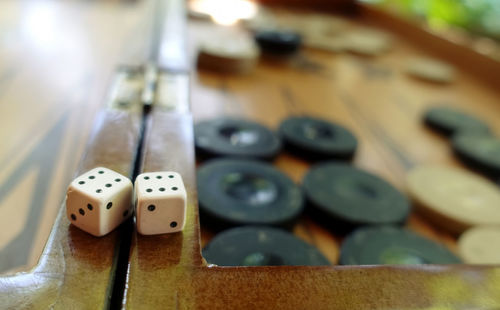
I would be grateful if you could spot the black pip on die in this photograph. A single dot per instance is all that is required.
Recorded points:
(99, 200)
(160, 203)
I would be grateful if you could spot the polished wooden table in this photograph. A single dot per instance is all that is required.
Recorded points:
(58, 60)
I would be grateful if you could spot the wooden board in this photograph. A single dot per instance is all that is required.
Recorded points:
(56, 66)
(76, 269)
(370, 96)
(56, 125)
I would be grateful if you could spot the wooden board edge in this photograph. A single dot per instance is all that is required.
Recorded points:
(75, 268)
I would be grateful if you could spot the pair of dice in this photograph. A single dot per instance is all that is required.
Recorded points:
(99, 200)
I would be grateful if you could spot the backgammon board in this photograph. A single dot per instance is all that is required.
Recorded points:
(64, 71)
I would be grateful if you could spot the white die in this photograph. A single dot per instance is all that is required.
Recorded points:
(160, 203)
(99, 200)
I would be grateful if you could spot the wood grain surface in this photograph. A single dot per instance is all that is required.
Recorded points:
(77, 270)
(371, 96)
(57, 60)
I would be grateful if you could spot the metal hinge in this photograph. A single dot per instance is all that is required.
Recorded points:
(137, 87)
